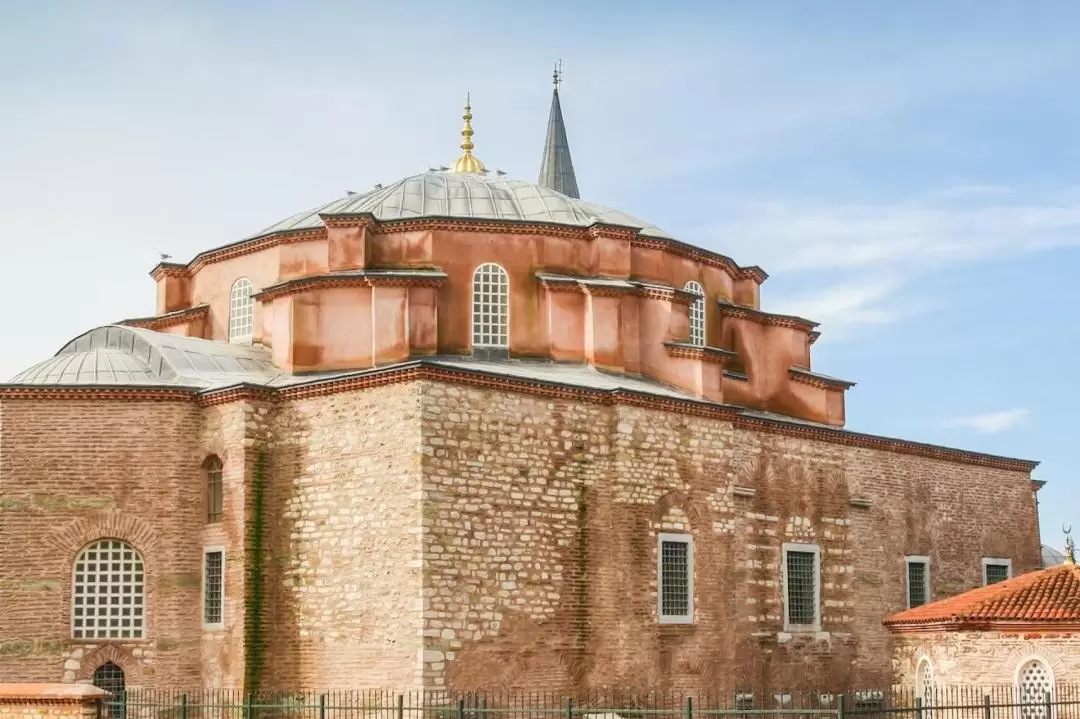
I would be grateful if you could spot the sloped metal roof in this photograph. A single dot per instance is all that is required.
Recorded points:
(119, 355)
(556, 166)
(466, 196)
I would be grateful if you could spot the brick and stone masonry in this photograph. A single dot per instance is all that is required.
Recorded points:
(467, 535)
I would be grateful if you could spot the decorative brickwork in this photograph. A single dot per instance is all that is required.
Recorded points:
(49, 701)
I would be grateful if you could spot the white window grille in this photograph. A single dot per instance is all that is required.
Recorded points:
(697, 313)
(675, 578)
(214, 587)
(1033, 682)
(802, 587)
(491, 307)
(918, 581)
(241, 311)
(108, 592)
(996, 569)
(924, 683)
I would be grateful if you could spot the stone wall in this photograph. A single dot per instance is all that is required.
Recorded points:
(344, 573)
(984, 659)
(540, 536)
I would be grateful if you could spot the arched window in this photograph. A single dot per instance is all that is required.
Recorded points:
(214, 490)
(110, 677)
(241, 311)
(924, 683)
(1033, 682)
(108, 595)
(697, 313)
(490, 307)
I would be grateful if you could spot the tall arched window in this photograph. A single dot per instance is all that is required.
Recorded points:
(1033, 682)
(110, 677)
(924, 683)
(490, 307)
(241, 311)
(697, 313)
(214, 489)
(108, 595)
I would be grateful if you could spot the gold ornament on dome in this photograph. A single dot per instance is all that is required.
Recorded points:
(467, 163)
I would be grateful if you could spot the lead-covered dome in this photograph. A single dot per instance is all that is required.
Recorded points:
(466, 196)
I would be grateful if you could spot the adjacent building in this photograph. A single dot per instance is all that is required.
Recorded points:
(468, 432)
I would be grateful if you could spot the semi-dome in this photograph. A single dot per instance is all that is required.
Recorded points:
(466, 196)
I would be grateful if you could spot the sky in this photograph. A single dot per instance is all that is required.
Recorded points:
(907, 173)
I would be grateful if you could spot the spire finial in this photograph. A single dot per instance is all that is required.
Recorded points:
(1070, 549)
(556, 77)
(467, 163)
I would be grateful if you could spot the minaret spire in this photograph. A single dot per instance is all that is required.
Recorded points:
(556, 168)
(467, 162)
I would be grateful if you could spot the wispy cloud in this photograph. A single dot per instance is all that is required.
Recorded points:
(844, 307)
(991, 422)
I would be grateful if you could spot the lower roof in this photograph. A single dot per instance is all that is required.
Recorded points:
(120, 357)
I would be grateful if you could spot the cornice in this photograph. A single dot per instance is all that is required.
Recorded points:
(821, 381)
(983, 625)
(685, 350)
(70, 392)
(419, 370)
(169, 319)
(596, 286)
(765, 318)
(239, 249)
(713, 259)
(357, 278)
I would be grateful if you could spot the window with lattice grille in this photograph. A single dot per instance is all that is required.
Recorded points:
(924, 683)
(214, 490)
(676, 579)
(697, 313)
(241, 311)
(1034, 682)
(802, 586)
(918, 581)
(996, 570)
(108, 595)
(214, 587)
(110, 677)
(490, 307)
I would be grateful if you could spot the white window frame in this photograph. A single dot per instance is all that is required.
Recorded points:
(1018, 689)
(688, 540)
(923, 690)
(908, 561)
(997, 561)
(202, 594)
(697, 313)
(143, 629)
(241, 311)
(485, 331)
(809, 549)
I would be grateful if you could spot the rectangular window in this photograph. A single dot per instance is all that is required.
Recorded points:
(996, 569)
(802, 587)
(675, 578)
(918, 581)
(213, 587)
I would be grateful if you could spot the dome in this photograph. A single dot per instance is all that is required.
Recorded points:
(466, 196)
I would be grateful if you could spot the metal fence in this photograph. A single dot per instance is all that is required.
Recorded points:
(959, 702)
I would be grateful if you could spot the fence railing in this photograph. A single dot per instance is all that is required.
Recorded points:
(952, 702)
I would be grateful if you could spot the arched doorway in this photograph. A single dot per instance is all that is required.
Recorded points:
(110, 677)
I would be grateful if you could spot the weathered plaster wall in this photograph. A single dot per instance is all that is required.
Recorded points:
(985, 658)
(540, 544)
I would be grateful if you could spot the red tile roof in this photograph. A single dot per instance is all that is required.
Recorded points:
(1049, 595)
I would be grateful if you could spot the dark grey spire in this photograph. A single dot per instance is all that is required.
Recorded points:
(557, 169)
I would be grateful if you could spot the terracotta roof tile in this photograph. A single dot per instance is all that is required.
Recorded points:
(1047, 595)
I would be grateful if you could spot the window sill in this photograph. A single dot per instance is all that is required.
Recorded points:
(675, 621)
(110, 640)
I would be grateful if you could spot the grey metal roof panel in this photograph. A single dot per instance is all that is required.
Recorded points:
(119, 355)
(466, 196)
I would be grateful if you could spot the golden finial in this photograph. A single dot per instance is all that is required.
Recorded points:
(1070, 557)
(467, 163)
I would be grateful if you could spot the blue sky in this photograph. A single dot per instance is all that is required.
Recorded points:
(906, 172)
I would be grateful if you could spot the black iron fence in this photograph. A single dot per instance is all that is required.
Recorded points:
(952, 702)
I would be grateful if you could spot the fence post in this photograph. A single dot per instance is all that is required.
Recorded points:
(400, 706)
(918, 708)
(1049, 706)
(248, 701)
(322, 706)
(99, 704)
(986, 706)
(689, 707)
(569, 708)
(461, 708)
(841, 706)
(183, 706)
